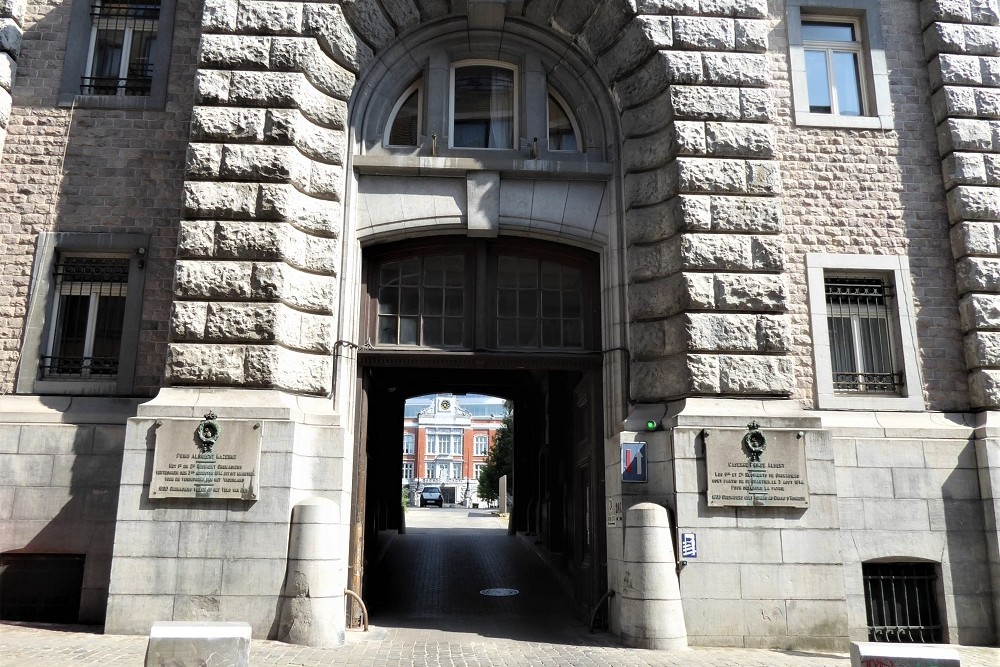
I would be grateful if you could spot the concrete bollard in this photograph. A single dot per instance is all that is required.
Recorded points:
(651, 612)
(179, 643)
(312, 602)
(879, 654)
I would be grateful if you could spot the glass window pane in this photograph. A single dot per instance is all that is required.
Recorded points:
(434, 272)
(433, 302)
(819, 83)
(527, 273)
(483, 107)
(387, 330)
(550, 275)
(388, 301)
(572, 333)
(409, 301)
(507, 272)
(71, 330)
(454, 302)
(847, 80)
(551, 304)
(405, 124)
(108, 48)
(561, 135)
(432, 331)
(408, 330)
(453, 332)
(410, 272)
(527, 304)
(506, 333)
(108, 327)
(454, 268)
(527, 333)
(572, 306)
(506, 303)
(825, 31)
(551, 333)
(389, 274)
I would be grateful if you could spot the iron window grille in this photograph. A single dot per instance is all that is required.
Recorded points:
(122, 38)
(861, 348)
(89, 316)
(901, 602)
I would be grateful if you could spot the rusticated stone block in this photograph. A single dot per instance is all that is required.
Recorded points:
(965, 134)
(241, 322)
(980, 311)
(984, 388)
(968, 202)
(751, 35)
(753, 9)
(740, 140)
(264, 89)
(212, 86)
(654, 115)
(755, 292)
(982, 349)
(403, 13)
(704, 33)
(746, 375)
(242, 162)
(965, 169)
(213, 280)
(756, 105)
(654, 261)
(204, 364)
(658, 298)
(715, 332)
(651, 187)
(235, 52)
(682, 374)
(736, 69)
(326, 21)
(302, 290)
(367, 16)
(711, 175)
(284, 202)
(975, 238)
(219, 15)
(203, 161)
(227, 124)
(957, 70)
(269, 18)
(635, 46)
(730, 252)
(651, 223)
(978, 274)
(951, 11)
(666, 6)
(7, 70)
(305, 54)
(196, 238)
(319, 143)
(746, 214)
(10, 37)
(656, 150)
(305, 331)
(13, 8)
(187, 320)
(705, 103)
(219, 200)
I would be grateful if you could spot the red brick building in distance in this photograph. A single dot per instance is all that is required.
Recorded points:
(446, 439)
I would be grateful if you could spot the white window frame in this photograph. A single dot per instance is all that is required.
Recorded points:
(572, 121)
(409, 443)
(43, 303)
(477, 470)
(829, 48)
(481, 444)
(452, 442)
(903, 330)
(873, 70)
(419, 88)
(407, 468)
(516, 132)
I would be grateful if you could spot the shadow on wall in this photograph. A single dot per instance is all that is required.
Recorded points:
(58, 541)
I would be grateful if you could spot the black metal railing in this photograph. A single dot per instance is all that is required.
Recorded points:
(78, 367)
(861, 345)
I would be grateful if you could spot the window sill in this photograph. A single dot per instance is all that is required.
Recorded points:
(870, 402)
(808, 119)
(139, 102)
(407, 165)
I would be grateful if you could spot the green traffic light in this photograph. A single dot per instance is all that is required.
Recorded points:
(651, 424)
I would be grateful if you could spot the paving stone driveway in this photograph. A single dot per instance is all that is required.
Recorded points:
(427, 610)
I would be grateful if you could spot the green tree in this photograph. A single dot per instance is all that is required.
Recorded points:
(498, 462)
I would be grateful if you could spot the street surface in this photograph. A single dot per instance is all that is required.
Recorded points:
(426, 609)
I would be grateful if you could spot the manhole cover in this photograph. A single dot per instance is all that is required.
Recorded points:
(499, 592)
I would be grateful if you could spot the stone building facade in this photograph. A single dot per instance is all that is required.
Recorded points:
(730, 187)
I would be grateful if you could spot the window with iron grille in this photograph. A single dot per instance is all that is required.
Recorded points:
(122, 39)
(859, 326)
(89, 314)
(901, 602)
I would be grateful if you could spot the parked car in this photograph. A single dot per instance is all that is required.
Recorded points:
(431, 495)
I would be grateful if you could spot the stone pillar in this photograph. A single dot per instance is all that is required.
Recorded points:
(312, 604)
(707, 289)
(962, 40)
(11, 31)
(651, 612)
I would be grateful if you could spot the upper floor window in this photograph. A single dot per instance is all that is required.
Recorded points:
(483, 105)
(444, 441)
(84, 314)
(864, 338)
(120, 61)
(482, 444)
(836, 55)
(485, 296)
(404, 127)
(408, 443)
(562, 126)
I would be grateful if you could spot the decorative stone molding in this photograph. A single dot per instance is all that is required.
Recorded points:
(962, 38)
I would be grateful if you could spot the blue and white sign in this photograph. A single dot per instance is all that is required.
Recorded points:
(689, 545)
(634, 463)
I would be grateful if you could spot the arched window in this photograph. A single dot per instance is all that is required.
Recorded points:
(483, 105)
(501, 295)
(563, 132)
(404, 126)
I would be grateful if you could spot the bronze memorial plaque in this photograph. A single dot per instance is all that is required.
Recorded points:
(756, 468)
(211, 458)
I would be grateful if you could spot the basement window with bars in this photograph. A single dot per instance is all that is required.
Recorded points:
(859, 325)
(901, 602)
(89, 314)
(122, 40)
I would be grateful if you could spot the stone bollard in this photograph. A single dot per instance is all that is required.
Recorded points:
(312, 602)
(179, 643)
(651, 612)
(873, 654)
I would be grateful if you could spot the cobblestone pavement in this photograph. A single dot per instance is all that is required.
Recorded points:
(426, 610)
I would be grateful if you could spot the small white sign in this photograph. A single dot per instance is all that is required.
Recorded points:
(689, 545)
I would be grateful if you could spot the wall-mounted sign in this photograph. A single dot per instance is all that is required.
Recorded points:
(634, 462)
(689, 545)
(614, 512)
(211, 458)
(754, 467)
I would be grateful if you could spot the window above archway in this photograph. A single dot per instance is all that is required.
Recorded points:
(483, 105)
(475, 295)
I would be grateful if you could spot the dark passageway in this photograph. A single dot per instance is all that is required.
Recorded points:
(431, 577)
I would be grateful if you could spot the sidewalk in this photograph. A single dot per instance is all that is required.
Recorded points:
(40, 646)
